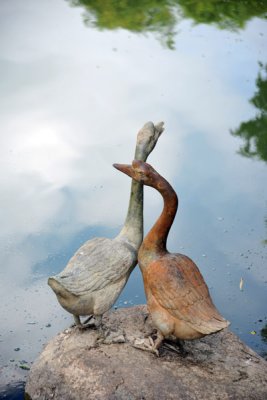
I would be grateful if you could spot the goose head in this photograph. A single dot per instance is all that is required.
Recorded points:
(140, 171)
(147, 138)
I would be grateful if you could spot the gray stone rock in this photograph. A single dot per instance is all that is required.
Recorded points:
(85, 365)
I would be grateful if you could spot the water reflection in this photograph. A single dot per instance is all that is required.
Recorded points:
(161, 17)
(71, 106)
(155, 16)
(224, 14)
(254, 132)
(264, 333)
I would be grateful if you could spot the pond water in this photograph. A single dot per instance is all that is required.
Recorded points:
(78, 80)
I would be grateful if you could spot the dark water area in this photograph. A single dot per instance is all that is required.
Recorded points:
(14, 392)
(78, 80)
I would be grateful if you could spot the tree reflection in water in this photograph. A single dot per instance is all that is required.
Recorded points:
(264, 339)
(254, 131)
(161, 16)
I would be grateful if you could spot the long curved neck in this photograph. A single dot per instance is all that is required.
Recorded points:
(156, 238)
(132, 229)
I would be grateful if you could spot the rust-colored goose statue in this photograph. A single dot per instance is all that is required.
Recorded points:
(96, 274)
(177, 296)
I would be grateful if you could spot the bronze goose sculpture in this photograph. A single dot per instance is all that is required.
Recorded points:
(96, 274)
(178, 298)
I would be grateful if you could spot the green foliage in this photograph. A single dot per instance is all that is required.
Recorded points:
(161, 16)
(226, 14)
(254, 132)
(136, 16)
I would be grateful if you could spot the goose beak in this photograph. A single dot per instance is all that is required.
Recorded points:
(125, 168)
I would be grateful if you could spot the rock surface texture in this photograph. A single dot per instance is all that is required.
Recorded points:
(84, 365)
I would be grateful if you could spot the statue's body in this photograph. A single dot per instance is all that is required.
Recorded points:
(177, 295)
(96, 274)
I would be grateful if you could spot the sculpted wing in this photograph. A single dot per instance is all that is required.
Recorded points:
(187, 297)
(97, 263)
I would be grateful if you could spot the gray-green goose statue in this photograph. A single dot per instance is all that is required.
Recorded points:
(97, 273)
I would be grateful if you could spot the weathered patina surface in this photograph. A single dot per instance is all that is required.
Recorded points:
(177, 295)
(99, 270)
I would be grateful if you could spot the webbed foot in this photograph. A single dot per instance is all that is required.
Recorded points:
(88, 324)
(176, 346)
(148, 344)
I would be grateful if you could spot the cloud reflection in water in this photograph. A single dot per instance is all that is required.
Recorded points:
(72, 106)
